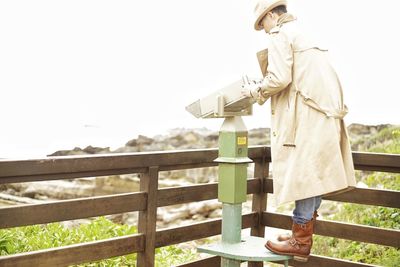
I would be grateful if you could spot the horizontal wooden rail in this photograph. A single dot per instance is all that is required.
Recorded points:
(63, 176)
(366, 196)
(376, 162)
(192, 193)
(355, 232)
(195, 231)
(66, 167)
(71, 209)
(214, 261)
(78, 253)
(313, 260)
(321, 261)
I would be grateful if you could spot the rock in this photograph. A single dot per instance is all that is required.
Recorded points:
(144, 140)
(126, 149)
(217, 213)
(173, 216)
(204, 207)
(57, 189)
(75, 151)
(153, 147)
(79, 151)
(16, 199)
(201, 175)
(172, 183)
(198, 217)
(115, 184)
(191, 138)
(141, 142)
(176, 141)
(96, 150)
(130, 218)
(132, 142)
(213, 138)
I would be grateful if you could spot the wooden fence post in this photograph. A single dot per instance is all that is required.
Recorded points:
(259, 201)
(147, 218)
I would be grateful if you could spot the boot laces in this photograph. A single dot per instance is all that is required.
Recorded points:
(294, 243)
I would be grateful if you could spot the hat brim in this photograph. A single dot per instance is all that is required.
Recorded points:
(257, 25)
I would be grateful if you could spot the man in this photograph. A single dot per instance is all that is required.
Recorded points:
(311, 155)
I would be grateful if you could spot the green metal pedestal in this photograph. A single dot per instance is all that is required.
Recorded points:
(250, 248)
(232, 192)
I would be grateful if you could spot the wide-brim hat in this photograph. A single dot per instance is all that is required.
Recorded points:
(263, 7)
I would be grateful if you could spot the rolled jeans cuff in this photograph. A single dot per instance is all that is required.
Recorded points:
(305, 208)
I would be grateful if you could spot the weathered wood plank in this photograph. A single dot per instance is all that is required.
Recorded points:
(192, 193)
(195, 231)
(214, 261)
(268, 186)
(321, 261)
(188, 166)
(259, 201)
(366, 196)
(78, 253)
(63, 176)
(106, 164)
(314, 260)
(368, 234)
(148, 217)
(71, 209)
(185, 194)
(376, 162)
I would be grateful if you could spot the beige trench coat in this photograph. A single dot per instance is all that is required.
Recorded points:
(311, 154)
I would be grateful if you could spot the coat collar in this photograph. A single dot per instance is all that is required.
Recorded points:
(284, 18)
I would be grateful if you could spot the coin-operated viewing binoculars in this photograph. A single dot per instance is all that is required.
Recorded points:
(227, 102)
(231, 104)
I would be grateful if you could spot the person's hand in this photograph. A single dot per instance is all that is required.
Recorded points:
(251, 90)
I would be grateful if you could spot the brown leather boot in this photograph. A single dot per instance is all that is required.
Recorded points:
(284, 237)
(298, 246)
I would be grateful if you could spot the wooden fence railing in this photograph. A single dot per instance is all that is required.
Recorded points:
(150, 197)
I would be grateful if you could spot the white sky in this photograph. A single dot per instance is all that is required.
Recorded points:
(124, 68)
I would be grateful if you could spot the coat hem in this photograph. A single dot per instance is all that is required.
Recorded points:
(323, 194)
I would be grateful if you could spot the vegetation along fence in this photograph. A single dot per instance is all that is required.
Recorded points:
(149, 198)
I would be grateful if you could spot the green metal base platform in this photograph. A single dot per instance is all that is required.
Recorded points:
(250, 249)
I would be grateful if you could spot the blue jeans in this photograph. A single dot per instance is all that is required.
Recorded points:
(305, 208)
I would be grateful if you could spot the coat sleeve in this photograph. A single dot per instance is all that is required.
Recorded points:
(280, 62)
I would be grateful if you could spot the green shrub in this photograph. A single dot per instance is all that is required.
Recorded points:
(357, 251)
(36, 237)
(385, 141)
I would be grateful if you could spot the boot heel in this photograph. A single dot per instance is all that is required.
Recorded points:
(300, 259)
